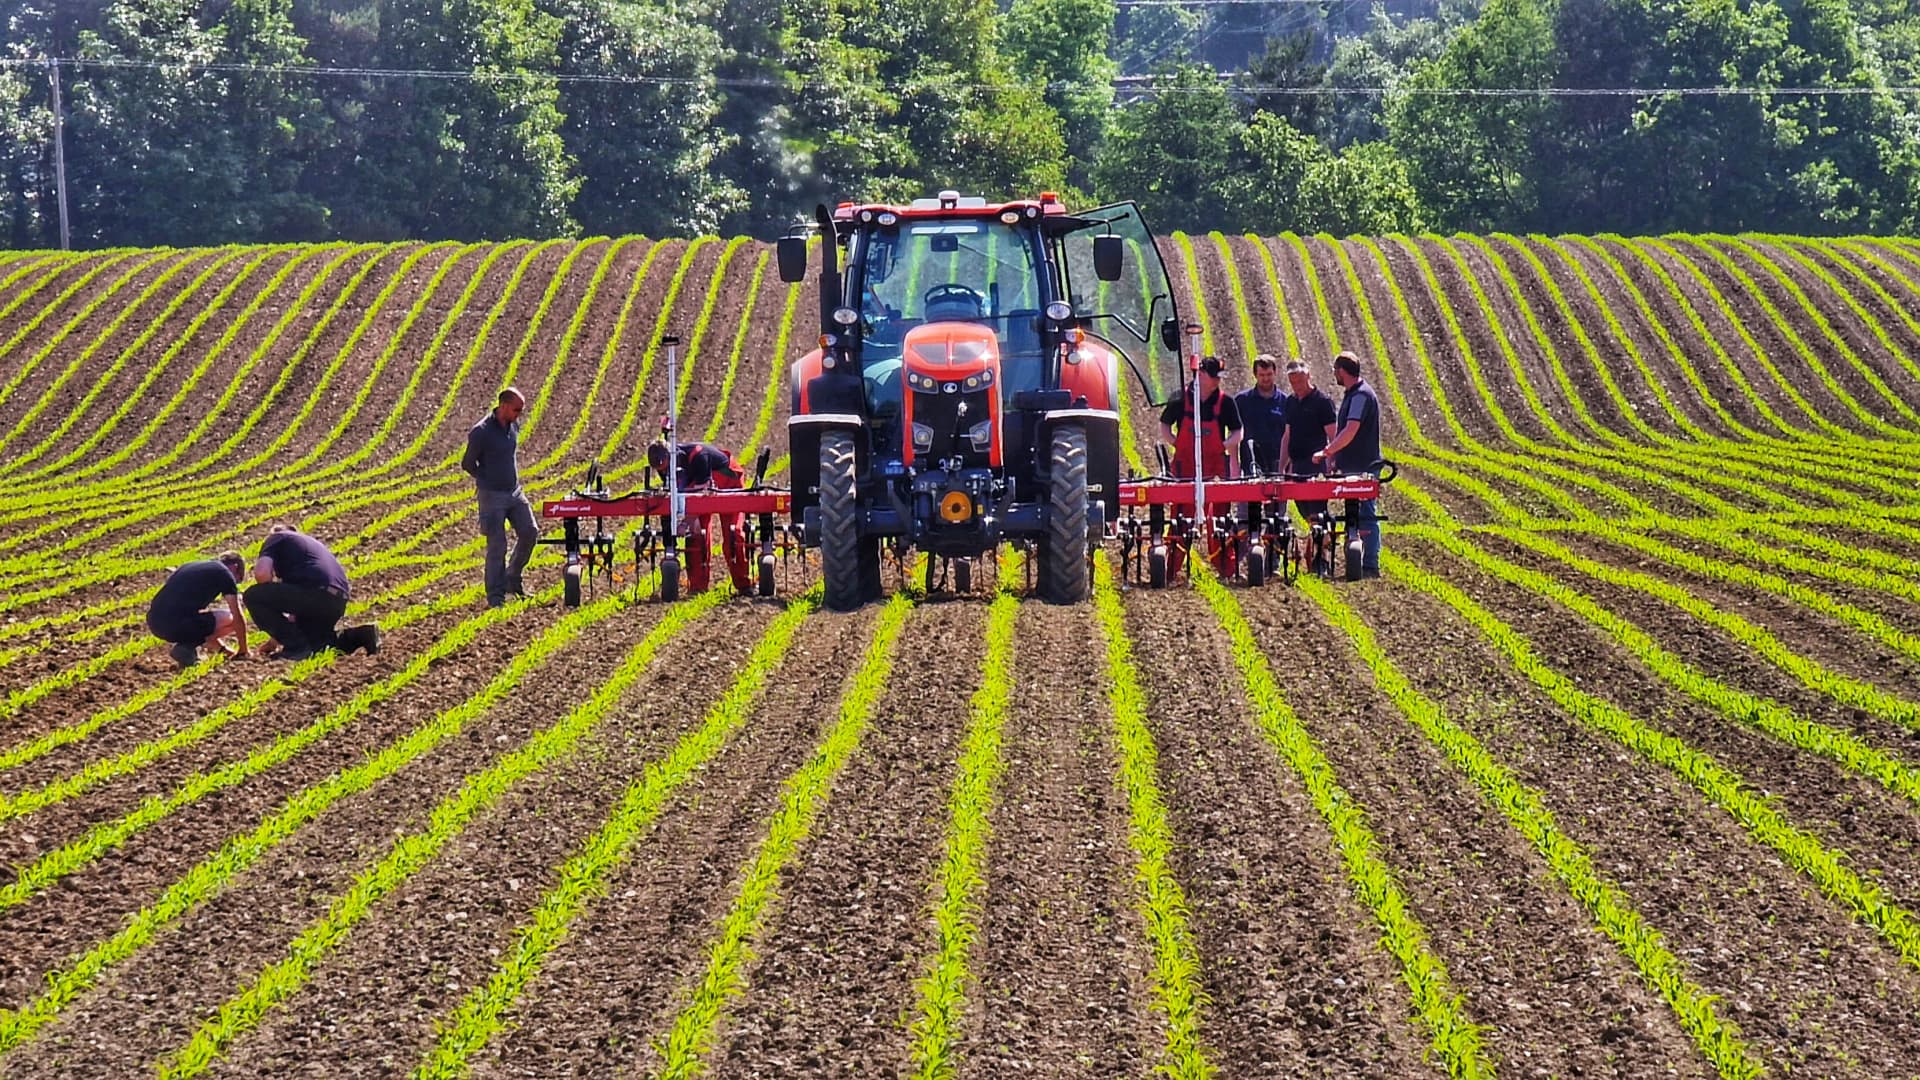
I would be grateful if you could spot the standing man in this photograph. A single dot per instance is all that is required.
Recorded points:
(1263, 412)
(1355, 449)
(1220, 434)
(299, 594)
(491, 459)
(178, 613)
(701, 465)
(1310, 425)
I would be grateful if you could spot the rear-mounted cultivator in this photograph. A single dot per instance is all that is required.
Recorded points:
(1247, 535)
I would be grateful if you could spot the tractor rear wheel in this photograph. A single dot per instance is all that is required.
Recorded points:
(1063, 552)
(843, 559)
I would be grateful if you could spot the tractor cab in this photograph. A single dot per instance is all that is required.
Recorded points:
(957, 341)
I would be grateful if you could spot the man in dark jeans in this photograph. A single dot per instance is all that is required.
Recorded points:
(300, 594)
(1355, 449)
(178, 613)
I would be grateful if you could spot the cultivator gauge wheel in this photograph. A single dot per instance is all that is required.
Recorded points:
(670, 578)
(1257, 566)
(1356, 554)
(766, 575)
(963, 576)
(570, 586)
(1157, 567)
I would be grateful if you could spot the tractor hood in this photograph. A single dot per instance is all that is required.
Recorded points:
(956, 349)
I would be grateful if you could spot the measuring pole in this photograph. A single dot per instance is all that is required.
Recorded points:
(1199, 445)
(675, 501)
(59, 153)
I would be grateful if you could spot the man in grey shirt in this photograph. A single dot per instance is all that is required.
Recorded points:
(490, 460)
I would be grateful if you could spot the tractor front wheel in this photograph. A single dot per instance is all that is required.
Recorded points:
(1063, 553)
(842, 554)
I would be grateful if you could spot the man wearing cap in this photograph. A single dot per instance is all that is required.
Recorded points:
(179, 614)
(493, 447)
(299, 594)
(1263, 412)
(703, 465)
(1219, 451)
(1355, 449)
(1310, 424)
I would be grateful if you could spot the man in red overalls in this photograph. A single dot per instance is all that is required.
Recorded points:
(703, 466)
(1220, 434)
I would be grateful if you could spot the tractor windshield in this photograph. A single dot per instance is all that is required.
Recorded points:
(947, 270)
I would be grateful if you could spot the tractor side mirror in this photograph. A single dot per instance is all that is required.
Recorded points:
(792, 252)
(1170, 334)
(1108, 254)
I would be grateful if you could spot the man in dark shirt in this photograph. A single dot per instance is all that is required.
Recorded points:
(300, 593)
(1310, 424)
(699, 465)
(491, 459)
(178, 613)
(1355, 448)
(1263, 414)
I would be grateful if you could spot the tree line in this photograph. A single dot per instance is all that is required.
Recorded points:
(211, 121)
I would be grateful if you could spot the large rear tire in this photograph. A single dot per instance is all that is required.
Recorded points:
(1063, 553)
(842, 560)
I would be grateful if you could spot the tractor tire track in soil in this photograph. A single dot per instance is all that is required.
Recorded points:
(1556, 997)
(1808, 988)
(833, 984)
(1062, 959)
(1297, 983)
(376, 1002)
(153, 1003)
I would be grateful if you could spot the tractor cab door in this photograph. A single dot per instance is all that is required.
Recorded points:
(1127, 312)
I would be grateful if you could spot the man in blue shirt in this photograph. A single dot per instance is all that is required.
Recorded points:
(491, 459)
(1263, 414)
(1355, 449)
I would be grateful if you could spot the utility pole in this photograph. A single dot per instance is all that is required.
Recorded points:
(60, 154)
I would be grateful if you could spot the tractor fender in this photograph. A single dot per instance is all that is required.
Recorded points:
(1103, 450)
(803, 448)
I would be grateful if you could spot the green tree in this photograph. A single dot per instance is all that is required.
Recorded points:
(1288, 180)
(1173, 150)
(1063, 45)
(475, 158)
(1474, 158)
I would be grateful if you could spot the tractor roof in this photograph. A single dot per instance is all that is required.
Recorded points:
(950, 204)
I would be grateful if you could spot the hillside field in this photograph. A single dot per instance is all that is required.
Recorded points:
(1614, 773)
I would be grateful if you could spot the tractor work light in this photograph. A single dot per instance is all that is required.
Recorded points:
(1010, 217)
(888, 217)
(956, 507)
(981, 436)
(1059, 311)
(922, 437)
(845, 316)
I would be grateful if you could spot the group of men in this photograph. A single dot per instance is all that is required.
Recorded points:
(298, 598)
(1298, 432)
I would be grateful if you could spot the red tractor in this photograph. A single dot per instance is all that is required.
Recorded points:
(965, 388)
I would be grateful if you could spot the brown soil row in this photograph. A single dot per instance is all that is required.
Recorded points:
(154, 1001)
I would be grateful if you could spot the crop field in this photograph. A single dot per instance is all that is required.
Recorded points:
(1614, 773)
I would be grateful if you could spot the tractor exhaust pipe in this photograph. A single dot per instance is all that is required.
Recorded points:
(829, 268)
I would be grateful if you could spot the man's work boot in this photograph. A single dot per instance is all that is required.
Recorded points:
(185, 654)
(359, 637)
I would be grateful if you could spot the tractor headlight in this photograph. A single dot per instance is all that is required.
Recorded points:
(981, 436)
(922, 437)
(920, 382)
(973, 382)
(1059, 311)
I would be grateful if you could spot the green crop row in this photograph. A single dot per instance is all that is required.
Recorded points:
(11, 347)
(1527, 811)
(1739, 706)
(698, 336)
(480, 793)
(1437, 1006)
(688, 1044)
(778, 364)
(1162, 903)
(961, 878)
(1716, 782)
(739, 344)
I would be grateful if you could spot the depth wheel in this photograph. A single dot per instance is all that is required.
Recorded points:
(766, 575)
(963, 576)
(1063, 551)
(1256, 566)
(570, 586)
(1356, 553)
(670, 578)
(1157, 567)
(848, 564)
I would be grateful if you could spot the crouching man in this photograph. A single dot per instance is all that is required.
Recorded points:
(299, 596)
(179, 612)
(698, 466)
